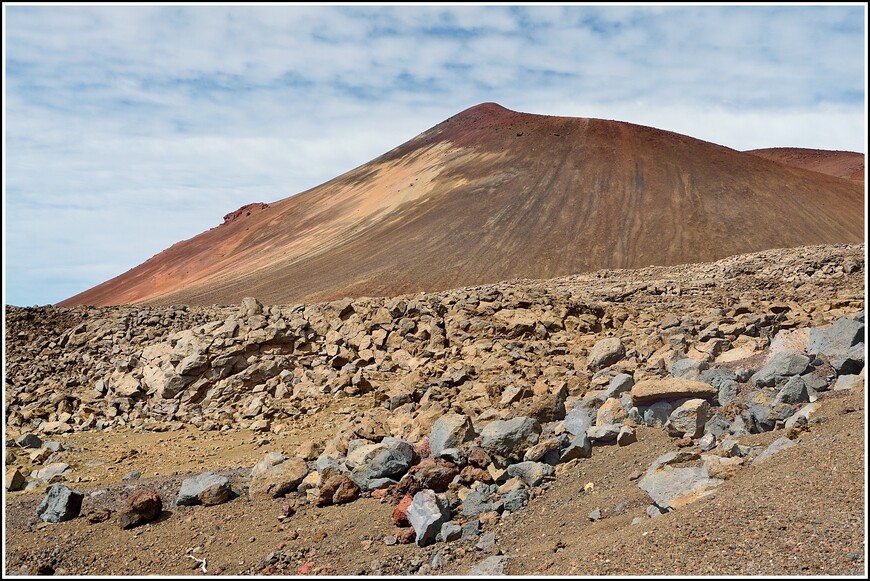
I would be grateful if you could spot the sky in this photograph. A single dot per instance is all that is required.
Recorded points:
(130, 128)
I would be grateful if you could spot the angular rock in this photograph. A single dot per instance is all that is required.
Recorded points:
(279, 479)
(509, 439)
(427, 514)
(657, 414)
(337, 488)
(728, 390)
(850, 363)
(652, 390)
(29, 441)
(688, 419)
(610, 412)
(688, 368)
(605, 433)
(671, 487)
(15, 480)
(579, 419)
(605, 353)
(477, 502)
(532, 473)
(848, 381)
(581, 447)
(207, 488)
(51, 470)
(143, 506)
(435, 474)
(626, 436)
(794, 391)
(780, 367)
(835, 339)
(400, 513)
(450, 431)
(60, 504)
(450, 531)
(515, 500)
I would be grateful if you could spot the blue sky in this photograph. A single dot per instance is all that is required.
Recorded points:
(128, 129)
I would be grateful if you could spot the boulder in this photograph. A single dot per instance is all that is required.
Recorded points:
(337, 488)
(509, 439)
(605, 353)
(779, 368)
(652, 390)
(15, 480)
(532, 473)
(794, 391)
(207, 488)
(489, 567)
(279, 479)
(626, 436)
(605, 433)
(450, 431)
(60, 504)
(835, 339)
(671, 486)
(427, 514)
(143, 506)
(688, 419)
(580, 447)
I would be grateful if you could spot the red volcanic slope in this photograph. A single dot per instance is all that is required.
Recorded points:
(492, 194)
(842, 164)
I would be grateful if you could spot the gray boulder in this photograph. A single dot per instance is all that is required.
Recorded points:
(427, 514)
(532, 473)
(835, 339)
(850, 363)
(581, 447)
(717, 376)
(688, 368)
(478, 501)
(29, 441)
(579, 419)
(450, 531)
(605, 433)
(509, 439)
(671, 486)
(391, 462)
(620, 384)
(450, 431)
(515, 500)
(60, 504)
(794, 391)
(780, 367)
(605, 353)
(208, 488)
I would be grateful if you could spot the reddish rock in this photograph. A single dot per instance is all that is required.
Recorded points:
(144, 506)
(472, 474)
(478, 457)
(422, 448)
(400, 513)
(488, 518)
(406, 536)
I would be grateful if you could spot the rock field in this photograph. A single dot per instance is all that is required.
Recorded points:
(693, 419)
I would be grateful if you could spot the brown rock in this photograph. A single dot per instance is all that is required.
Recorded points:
(214, 494)
(434, 474)
(280, 479)
(144, 506)
(652, 390)
(15, 480)
(472, 474)
(478, 457)
(337, 489)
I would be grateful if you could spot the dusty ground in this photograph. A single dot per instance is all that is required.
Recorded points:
(802, 512)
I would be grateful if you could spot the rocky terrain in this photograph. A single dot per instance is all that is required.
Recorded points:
(492, 194)
(694, 419)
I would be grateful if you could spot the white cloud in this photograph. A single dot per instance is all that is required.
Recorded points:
(130, 128)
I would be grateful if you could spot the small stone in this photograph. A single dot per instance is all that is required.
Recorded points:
(450, 531)
(134, 475)
(15, 480)
(390, 540)
(626, 436)
(427, 513)
(594, 514)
